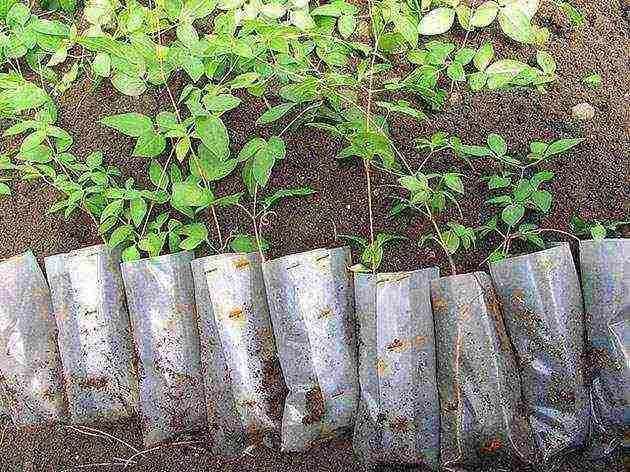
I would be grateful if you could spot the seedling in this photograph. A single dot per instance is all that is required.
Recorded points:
(597, 229)
(371, 253)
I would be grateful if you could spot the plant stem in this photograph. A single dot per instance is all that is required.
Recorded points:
(451, 262)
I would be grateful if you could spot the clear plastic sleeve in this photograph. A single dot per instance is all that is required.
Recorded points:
(311, 301)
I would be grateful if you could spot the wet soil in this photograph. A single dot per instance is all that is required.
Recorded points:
(593, 180)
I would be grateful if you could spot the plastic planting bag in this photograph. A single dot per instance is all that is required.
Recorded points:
(542, 307)
(398, 418)
(605, 267)
(161, 302)
(245, 389)
(483, 426)
(94, 334)
(30, 373)
(311, 300)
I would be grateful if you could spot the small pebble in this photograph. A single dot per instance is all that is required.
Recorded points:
(583, 112)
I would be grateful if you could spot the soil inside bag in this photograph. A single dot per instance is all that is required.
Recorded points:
(605, 269)
(311, 301)
(161, 302)
(245, 389)
(30, 371)
(543, 311)
(94, 334)
(483, 423)
(398, 418)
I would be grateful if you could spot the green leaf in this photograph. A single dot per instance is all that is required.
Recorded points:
(408, 29)
(512, 214)
(101, 65)
(120, 235)
(51, 27)
(214, 135)
(138, 211)
(221, 102)
(268, 202)
(484, 14)
(346, 25)
(276, 147)
(130, 124)
(250, 149)
(454, 182)
(437, 21)
(562, 145)
(516, 24)
(483, 56)
(593, 80)
(4, 189)
(187, 34)
(496, 182)
(598, 231)
(274, 113)
(455, 72)
(262, 166)
(150, 145)
(497, 144)
(187, 194)
(542, 199)
(131, 254)
(128, 85)
(451, 241)
(546, 62)
(157, 175)
(246, 244)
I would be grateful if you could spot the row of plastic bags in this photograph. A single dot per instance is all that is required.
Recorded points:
(465, 371)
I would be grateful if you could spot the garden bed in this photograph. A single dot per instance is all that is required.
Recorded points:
(591, 180)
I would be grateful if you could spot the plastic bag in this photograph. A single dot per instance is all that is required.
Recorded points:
(398, 420)
(311, 301)
(543, 311)
(245, 390)
(605, 268)
(94, 334)
(161, 301)
(483, 425)
(30, 371)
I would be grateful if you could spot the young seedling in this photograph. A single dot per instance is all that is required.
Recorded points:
(371, 253)
(597, 229)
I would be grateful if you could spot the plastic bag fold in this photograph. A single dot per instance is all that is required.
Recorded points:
(311, 301)
(543, 310)
(483, 424)
(160, 295)
(30, 372)
(95, 343)
(398, 418)
(245, 389)
(605, 269)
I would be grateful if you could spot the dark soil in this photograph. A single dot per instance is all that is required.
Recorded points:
(593, 180)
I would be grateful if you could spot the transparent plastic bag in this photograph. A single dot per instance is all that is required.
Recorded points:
(30, 370)
(398, 419)
(605, 268)
(245, 389)
(542, 306)
(161, 302)
(94, 334)
(483, 425)
(311, 301)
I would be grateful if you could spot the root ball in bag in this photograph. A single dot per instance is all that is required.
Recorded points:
(483, 423)
(94, 334)
(311, 301)
(245, 389)
(30, 370)
(161, 301)
(605, 268)
(542, 306)
(398, 420)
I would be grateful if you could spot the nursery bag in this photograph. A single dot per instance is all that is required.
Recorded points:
(483, 425)
(311, 301)
(542, 306)
(161, 302)
(95, 344)
(245, 389)
(398, 419)
(30, 371)
(605, 268)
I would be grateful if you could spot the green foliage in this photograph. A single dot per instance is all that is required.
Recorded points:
(597, 229)
(593, 80)
(371, 253)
